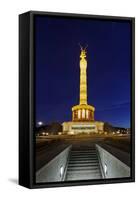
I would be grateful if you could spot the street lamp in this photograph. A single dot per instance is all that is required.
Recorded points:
(40, 123)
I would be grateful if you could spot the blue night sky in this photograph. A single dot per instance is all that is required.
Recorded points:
(57, 68)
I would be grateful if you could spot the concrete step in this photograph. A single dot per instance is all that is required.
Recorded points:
(82, 161)
(84, 155)
(82, 172)
(82, 169)
(83, 151)
(83, 164)
(90, 151)
(84, 158)
(84, 176)
(81, 154)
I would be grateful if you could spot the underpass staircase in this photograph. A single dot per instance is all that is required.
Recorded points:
(83, 164)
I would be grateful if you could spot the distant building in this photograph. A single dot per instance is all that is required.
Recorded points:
(128, 131)
(120, 130)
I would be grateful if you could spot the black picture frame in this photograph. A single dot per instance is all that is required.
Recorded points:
(27, 101)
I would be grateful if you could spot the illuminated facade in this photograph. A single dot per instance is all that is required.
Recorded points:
(83, 114)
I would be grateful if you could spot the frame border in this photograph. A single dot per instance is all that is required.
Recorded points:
(31, 141)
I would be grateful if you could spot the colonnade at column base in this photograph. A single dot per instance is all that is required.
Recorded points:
(82, 113)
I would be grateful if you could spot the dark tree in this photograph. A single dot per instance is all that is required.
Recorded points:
(108, 127)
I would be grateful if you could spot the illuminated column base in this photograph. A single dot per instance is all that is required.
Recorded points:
(83, 113)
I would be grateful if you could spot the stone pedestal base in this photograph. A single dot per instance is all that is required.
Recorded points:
(83, 127)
